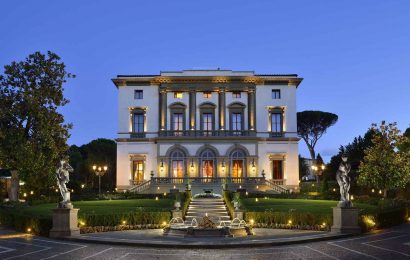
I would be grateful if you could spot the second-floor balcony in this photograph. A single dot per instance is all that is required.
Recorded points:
(205, 134)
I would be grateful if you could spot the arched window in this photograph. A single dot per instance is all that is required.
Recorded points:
(237, 154)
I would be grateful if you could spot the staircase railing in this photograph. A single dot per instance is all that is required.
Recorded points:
(276, 187)
(141, 187)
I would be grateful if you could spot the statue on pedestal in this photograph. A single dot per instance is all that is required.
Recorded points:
(63, 177)
(343, 179)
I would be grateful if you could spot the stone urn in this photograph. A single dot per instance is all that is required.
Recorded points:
(177, 205)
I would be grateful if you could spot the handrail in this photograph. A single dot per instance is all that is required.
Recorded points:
(141, 187)
(205, 133)
(276, 187)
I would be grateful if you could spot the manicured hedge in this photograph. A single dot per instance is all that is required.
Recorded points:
(185, 203)
(294, 220)
(132, 218)
(228, 202)
(38, 225)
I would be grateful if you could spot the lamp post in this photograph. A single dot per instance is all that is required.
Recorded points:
(318, 169)
(99, 171)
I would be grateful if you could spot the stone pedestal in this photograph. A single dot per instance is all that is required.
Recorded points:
(345, 220)
(238, 214)
(65, 223)
(176, 213)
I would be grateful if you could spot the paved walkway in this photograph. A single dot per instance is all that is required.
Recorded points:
(387, 244)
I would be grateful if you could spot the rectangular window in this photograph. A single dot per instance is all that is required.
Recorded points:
(276, 123)
(207, 124)
(277, 173)
(178, 95)
(178, 123)
(236, 94)
(236, 123)
(207, 94)
(275, 93)
(138, 175)
(138, 94)
(138, 123)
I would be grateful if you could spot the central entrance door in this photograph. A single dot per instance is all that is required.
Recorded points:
(207, 168)
(237, 168)
(177, 168)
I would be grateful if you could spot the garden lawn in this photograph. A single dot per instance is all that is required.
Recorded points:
(298, 205)
(102, 207)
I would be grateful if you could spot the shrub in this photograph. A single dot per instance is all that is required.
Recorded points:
(185, 203)
(228, 202)
(132, 218)
(38, 225)
(295, 220)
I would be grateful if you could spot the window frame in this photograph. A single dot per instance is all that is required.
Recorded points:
(138, 94)
(236, 94)
(176, 93)
(276, 94)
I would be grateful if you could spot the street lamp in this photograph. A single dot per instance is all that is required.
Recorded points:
(99, 171)
(318, 169)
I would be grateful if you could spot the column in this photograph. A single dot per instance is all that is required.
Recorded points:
(192, 110)
(221, 107)
(251, 109)
(162, 109)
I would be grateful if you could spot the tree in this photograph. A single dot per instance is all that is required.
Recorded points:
(33, 134)
(355, 154)
(384, 166)
(99, 151)
(303, 168)
(312, 125)
(405, 146)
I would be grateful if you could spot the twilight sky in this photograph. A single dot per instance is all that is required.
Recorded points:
(354, 55)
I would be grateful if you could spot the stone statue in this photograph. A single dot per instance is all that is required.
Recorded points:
(63, 177)
(343, 179)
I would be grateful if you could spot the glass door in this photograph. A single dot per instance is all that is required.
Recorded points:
(237, 168)
(138, 171)
(207, 168)
(177, 168)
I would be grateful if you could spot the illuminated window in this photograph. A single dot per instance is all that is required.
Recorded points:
(178, 95)
(207, 94)
(236, 94)
(138, 94)
(275, 93)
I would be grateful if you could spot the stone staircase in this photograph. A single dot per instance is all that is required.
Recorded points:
(213, 207)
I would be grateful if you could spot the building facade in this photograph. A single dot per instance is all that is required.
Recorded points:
(207, 124)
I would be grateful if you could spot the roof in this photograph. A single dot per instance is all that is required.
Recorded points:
(205, 76)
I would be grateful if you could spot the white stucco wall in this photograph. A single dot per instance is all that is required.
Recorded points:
(126, 100)
(125, 150)
(291, 163)
(264, 101)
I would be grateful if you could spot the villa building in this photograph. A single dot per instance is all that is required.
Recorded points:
(207, 125)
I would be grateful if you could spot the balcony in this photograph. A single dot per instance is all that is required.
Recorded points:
(204, 134)
(201, 133)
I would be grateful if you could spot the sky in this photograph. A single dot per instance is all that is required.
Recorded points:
(354, 55)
